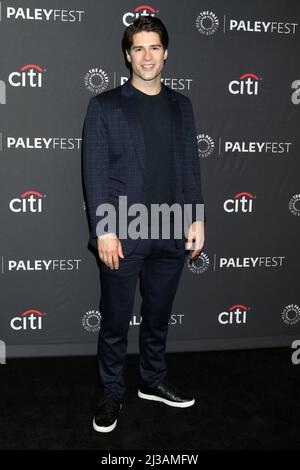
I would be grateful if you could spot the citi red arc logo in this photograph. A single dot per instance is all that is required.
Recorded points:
(144, 7)
(28, 320)
(30, 201)
(29, 75)
(142, 10)
(237, 314)
(241, 202)
(246, 85)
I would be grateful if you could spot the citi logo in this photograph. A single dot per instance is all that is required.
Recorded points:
(142, 10)
(30, 201)
(29, 75)
(246, 85)
(241, 202)
(29, 320)
(237, 314)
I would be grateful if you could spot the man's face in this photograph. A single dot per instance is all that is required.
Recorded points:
(147, 50)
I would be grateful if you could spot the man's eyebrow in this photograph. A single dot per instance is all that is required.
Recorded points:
(151, 45)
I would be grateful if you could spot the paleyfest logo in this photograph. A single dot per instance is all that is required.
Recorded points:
(207, 24)
(142, 10)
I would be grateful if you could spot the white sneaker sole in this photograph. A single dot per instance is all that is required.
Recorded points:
(184, 404)
(105, 428)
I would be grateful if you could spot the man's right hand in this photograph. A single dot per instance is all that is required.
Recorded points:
(109, 249)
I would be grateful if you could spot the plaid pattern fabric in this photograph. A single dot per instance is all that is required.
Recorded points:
(114, 153)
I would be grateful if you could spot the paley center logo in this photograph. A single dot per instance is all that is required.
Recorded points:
(96, 80)
(206, 145)
(246, 85)
(91, 321)
(207, 23)
(291, 314)
(241, 202)
(39, 14)
(142, 10)
(237, 314)
(29, 320)
(30, 201)
(199, 264)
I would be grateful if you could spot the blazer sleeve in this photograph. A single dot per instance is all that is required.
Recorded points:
(95, 161)
(192, 170)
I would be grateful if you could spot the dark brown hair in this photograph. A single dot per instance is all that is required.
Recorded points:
(144, 23)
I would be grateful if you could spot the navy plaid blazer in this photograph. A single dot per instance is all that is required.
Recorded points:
(114, 155)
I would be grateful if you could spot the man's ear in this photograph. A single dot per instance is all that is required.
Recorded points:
(128, 56)
(166, 54)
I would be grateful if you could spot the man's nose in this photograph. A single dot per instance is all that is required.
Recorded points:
(147, 55)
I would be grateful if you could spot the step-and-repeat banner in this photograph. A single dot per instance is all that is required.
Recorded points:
(239, 64)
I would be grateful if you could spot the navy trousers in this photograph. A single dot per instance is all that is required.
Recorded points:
(159, 263)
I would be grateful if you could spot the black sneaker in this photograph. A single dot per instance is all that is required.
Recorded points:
(105, 419)
(166, 393)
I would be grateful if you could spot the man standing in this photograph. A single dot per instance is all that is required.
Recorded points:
(139, 141)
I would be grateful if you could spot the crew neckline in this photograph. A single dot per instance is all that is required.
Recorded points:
(146, 95)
